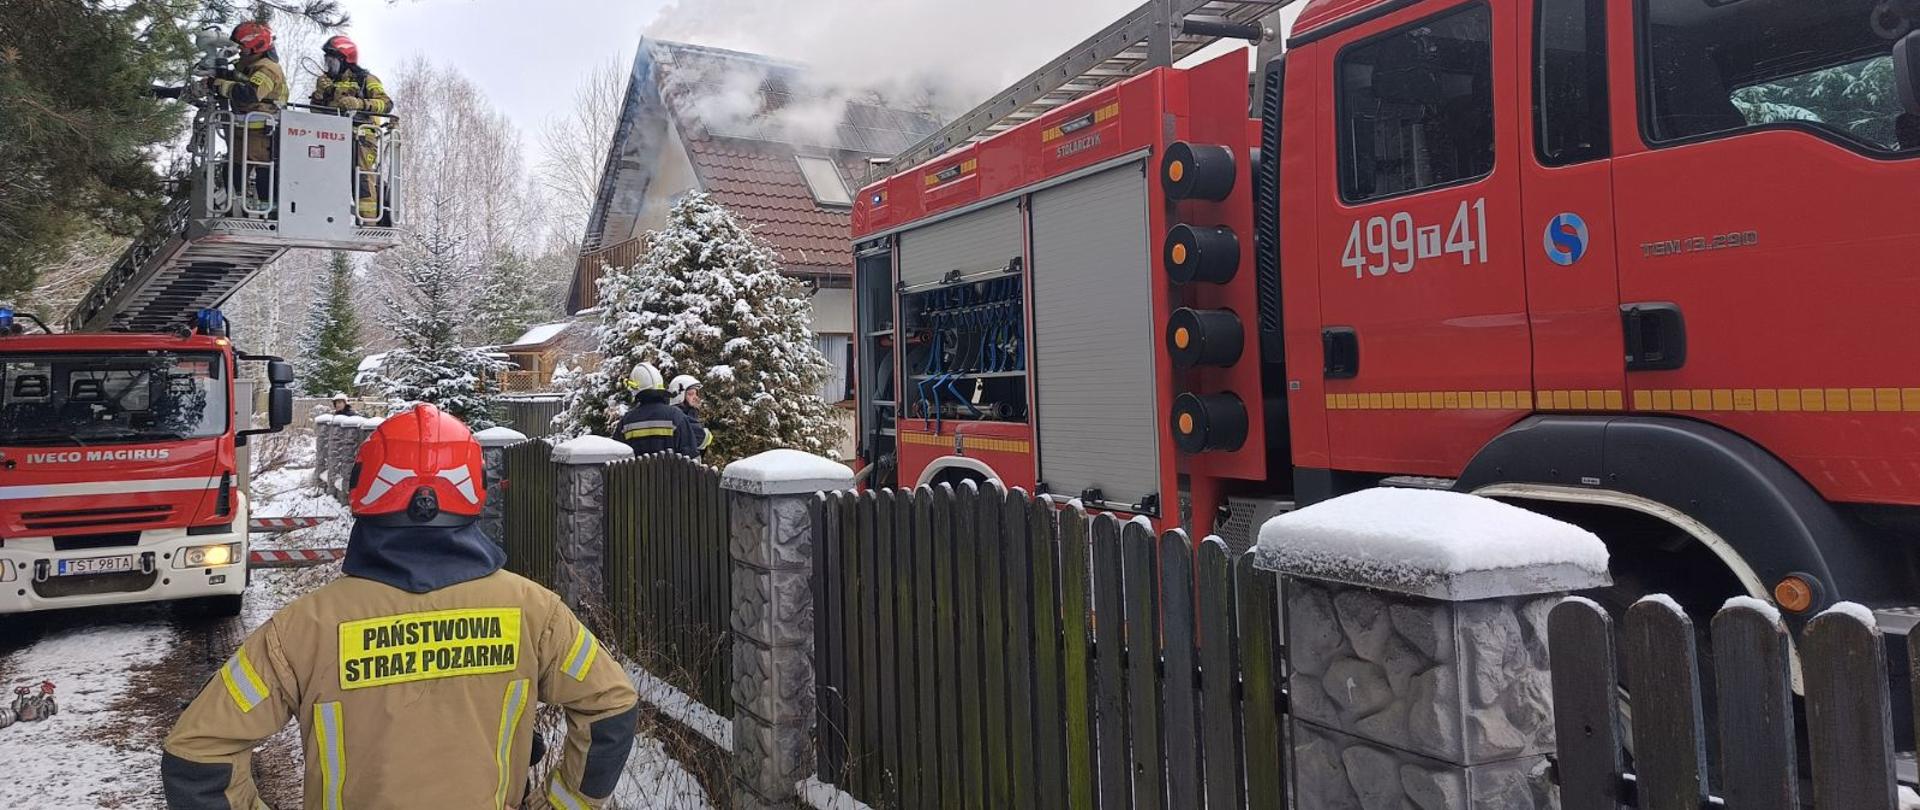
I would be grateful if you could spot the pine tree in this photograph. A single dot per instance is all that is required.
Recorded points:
(708, 299)
(329, 341)
(430, 365)
(508, 303)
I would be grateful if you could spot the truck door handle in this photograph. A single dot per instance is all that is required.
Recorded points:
(1340, 350)
(1656, 335)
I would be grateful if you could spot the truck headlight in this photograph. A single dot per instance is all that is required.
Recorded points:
(211, 556)
(6, 571)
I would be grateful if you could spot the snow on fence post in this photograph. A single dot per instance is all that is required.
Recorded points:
(580, 508)
(493, 457)
(770, 537)
(322, 456)
(1416, 641)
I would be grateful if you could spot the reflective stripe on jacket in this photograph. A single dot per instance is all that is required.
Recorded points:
(355, 83)
(409, 700)
(657, 427)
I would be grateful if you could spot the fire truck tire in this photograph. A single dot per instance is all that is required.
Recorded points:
(1746, 506)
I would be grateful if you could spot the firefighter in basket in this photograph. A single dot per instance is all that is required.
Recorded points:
(256, 89)
(346, 86)
(653, 424)
(415, 676)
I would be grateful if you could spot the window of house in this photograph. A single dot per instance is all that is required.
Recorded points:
(1416, 106)
(1722, 67)
(823, 179)
(1570, 90)
(838, 349)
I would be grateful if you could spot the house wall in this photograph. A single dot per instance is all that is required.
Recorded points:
(672, 176)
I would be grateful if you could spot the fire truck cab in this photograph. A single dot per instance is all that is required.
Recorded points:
(1635, 265)
(119, 479)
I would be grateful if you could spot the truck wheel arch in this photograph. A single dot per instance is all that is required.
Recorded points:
(1744, 505)
(961, 465)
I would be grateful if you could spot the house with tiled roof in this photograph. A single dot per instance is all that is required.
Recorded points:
(764, 139)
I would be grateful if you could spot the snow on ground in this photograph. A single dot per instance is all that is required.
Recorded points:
(85, 756)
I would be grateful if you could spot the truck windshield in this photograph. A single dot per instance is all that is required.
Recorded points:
(1720, 67)
(111, 398)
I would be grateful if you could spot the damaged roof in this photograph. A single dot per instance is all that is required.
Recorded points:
(745, 121)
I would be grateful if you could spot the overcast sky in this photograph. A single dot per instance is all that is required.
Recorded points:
(528, 56)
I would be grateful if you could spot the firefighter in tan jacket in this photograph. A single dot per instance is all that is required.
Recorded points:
(414, 677)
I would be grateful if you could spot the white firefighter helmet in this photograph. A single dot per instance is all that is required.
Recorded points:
(644, 377)
(681, 385)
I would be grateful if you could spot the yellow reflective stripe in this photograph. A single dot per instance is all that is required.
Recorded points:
(648, 433)
(580, 655)
(333, 755)
(563, 797)
(706, 439)
(510, 707)
(242, 681)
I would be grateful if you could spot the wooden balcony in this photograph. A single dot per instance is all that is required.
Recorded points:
(593, 264)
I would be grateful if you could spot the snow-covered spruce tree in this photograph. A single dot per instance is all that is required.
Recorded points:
(508, 303)
(708, 299)
(430, 365)
(329, 340)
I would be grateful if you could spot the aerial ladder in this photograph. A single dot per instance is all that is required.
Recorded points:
(216, 232)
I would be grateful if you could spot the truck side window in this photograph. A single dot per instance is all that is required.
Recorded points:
(1570, 88)
(1416, 106)
(1713, 68)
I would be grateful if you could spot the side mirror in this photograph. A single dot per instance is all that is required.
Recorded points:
(279, 373)
(1906, 71)
(279, 407)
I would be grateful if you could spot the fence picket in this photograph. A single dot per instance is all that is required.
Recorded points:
(1076, 668)
(993, 639)
(1143, 662)
(967, 621)
(926, 643)
(1757, 761)
(657, 562)
(871, 688)
(1016, 562)
(1586, 695)
(1662, 677)
(1849, 721)
(947, 641)
(1219, 663)
(852, 618)
(829, 683)
(1258, 623)
(907, 676)
(1115, 769)
(677, 584)
(1181, 720)
(884, 536)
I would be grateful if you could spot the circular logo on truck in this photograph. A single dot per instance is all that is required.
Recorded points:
(1566, 239)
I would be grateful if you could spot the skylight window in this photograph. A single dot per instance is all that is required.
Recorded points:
(823, 179)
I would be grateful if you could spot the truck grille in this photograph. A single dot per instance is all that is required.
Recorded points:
(129, 582)
(82, 542)
(91, 518)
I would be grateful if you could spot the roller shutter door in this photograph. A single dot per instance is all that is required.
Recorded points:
(1094, 337)
(987, 239)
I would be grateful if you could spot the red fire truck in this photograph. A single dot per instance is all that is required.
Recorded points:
(1638, 266)
(121, 478)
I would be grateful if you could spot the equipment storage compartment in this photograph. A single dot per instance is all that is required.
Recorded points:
(1094, 340)
(966, 356)
(879, 394)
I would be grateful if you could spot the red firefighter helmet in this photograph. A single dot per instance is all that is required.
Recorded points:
(349, 52)
(254, 38)
(421, 467)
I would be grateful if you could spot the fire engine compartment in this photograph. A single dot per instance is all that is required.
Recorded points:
(1017, 306)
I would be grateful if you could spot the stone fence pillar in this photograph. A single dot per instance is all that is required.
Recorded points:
(494, 442)
(770, 537)
(580, 497)
(322, 430)
(346, 445)
(1416, 641)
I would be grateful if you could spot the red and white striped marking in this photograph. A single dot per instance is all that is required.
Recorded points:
(294, 557)
(283, 524)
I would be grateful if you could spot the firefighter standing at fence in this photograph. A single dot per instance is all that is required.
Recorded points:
(686, 392)
(415, 676)
(345, 85)
(654, 425)
(257, 90)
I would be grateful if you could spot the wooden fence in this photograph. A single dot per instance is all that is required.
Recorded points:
(528, 516)
(530, 415)
(668, 577)
(959, 662)
(1848, 724)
